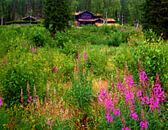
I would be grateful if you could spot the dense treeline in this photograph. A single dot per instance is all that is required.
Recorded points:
(126, 11)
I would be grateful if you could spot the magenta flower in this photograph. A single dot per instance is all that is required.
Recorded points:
(108, 104)
(1, 101)
(129, 96)
(116, 112)
(120, 86)
(102, 95)
(126, 128)
(145, 100)
(129, 80)
(139, 93)
(55, 69)
(154, 103)
(158, 92)
(109, 118)
(134, 116)
(143, 76)
(30, 99)
(85, 56)
(144, 124)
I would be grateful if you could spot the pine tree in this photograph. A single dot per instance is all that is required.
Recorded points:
(156, 17)
(56, 15)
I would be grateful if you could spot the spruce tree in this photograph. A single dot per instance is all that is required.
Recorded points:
(156, 17)
(56, 15)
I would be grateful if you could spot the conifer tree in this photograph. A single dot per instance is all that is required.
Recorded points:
(56, 15)
(156, 17)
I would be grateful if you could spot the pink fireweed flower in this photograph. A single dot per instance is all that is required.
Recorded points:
(30, 99)
(126, 128)
(116, 112)
(85, 56)
(108, 117)
(1, 101)
(144, 124)
(158, 92)
(129, 96)
(129, 80)
(145, 100)
(143, 76)
(55, 69)
(102, 95)
(139, 93)
(134, 116)
(120, 86)
(154, 103)
(108, 104)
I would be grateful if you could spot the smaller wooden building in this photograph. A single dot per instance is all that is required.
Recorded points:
(29, 18)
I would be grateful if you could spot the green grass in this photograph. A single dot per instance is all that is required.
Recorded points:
(64, 95)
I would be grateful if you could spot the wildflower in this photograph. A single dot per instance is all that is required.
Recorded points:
(145, 100)
(129, 96)
(102, 95)
(30, 99)
(134, 116)
(120, 86)
(1, 101)
(154, 103)
(55, 69)
(144, 124)
(158, 92)
(129, 80)
(143, 76)
(126, 128)
(108, 104)
(85, 56)
(109, 118)
(117, 112)
(33, 50)
(139, 93)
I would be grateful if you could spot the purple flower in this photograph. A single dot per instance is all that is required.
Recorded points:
(120, 86)
(30, 99)
(154, 103)
(108, 104)
(55, 69)
(117, 112)
(102, 95)
(139, 93)
(129, 96)
(85, 56)
(145, 100)
(109, 118)
(134, 116)
(129, 80)
(126, 128)
(144, 124)
(143, 76)
(158, 92)
(1, 101)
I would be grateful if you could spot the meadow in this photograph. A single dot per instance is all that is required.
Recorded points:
(95, 78)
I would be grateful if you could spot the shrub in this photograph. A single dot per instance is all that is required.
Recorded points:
(36, 67)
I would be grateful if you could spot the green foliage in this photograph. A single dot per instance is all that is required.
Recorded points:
(80, 94)
(56, 15)
(154, 17)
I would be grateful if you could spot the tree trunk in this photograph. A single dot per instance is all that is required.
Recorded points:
(1, 20)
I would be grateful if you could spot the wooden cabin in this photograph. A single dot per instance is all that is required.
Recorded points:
(86, 17)
(29, 18)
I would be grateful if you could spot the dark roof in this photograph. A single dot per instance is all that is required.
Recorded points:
(30, 18)
(81, 12)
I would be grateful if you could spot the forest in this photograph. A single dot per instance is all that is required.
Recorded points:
(126, 10)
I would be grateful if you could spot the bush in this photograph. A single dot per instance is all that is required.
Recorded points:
(36, 67)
